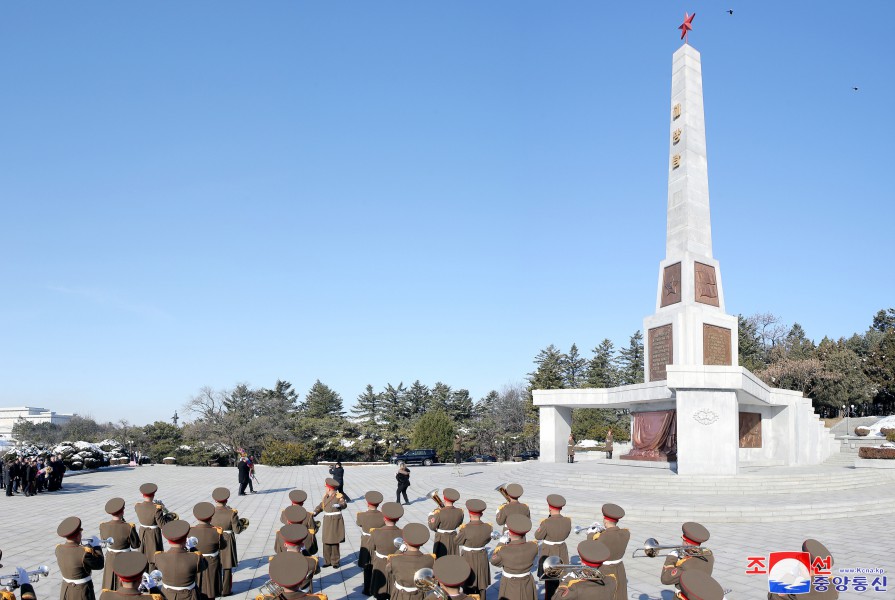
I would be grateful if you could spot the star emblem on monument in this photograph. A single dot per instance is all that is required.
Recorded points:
(686, 26)
(671, 287)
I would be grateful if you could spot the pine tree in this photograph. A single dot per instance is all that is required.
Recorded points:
(797, 344)
(459, 406)
(573, 365)
(749, 344)
(440, 398)
(367, 407)
(322, 401)
(631, 361)
(602, 370)
(417, 398)
(549, 374)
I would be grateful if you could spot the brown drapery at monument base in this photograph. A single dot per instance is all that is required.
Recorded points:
(655, 436)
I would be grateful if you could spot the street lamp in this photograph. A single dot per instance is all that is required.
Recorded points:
(845, 414)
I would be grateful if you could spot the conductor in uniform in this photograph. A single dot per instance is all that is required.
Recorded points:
(290, 571)
(225, 518)
(152, 518)
(552, 532)
(516, 558)
(401, 567)
(180, 568)
(472, 540)
(367, 521)
(616, 539)
(125, 538)
(444, 522)
(512, 506)
(76, 562)
(679, 561)
(602, 587)
(331, 505)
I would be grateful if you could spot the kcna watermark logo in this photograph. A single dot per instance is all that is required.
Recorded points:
(796, 573)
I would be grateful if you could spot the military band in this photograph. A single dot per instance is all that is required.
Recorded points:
(552, 533)
(382, 545)
(230, 524)
(401, 566)
(589, 583)
(77, 562)
(152, 517)
(452, 573)
(180, 568)
(512, 506)
(294, 537)
(209, 540)
(616, 539)
(129, 568)
(517, 557)
(689, 557)
(367, 521)
(289, 572)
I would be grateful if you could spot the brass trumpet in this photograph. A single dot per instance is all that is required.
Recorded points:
(502, 488)
(652, 547)
(15, 580)
(424, 580)
(592, 528)
(433, 495)
(553, 568)
(96, 541)
(169, 516)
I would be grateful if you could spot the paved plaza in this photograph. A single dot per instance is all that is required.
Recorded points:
(850, 510)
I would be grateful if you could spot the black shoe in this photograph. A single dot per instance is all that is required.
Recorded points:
(241, 494)
(254, 492)
(336, 566)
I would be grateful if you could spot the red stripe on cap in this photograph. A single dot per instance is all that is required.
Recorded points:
(478, 514)
(689, 541)
(131, 579)
(610, 519)
(514, 532)
(587, 563)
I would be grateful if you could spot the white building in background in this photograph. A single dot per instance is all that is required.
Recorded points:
(10, 416)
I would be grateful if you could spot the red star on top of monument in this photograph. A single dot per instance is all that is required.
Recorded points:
(686, 26)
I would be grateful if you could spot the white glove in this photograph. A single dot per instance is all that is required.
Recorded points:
(22, 576)
(94, 541)
(674, 553)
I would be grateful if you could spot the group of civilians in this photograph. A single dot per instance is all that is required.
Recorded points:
(31, 475)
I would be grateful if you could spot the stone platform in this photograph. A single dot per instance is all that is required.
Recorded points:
(847, 510)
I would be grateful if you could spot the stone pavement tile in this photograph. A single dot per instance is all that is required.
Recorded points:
(27, 525)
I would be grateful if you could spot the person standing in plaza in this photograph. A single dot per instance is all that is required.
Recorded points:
(609, 443)
(76, 562)
(403, 477)
(571, 448)
(338, 473)
(331, 505)
(243, 468)
(458, 447)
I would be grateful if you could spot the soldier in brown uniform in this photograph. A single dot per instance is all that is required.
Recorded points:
(208, 582)
(231, 525)
(180, 569)
(816, 550)
(294, 515)
(290, 571)
(125, 538)
(382, 546)
(331, 505)
(76, 562)
(679, 561)
(696, 585)
(553, 532)
(402, 566)
(294, 537)
(517, 558)
(298, 497)
(367, 521)
(592, 555)
(444, 522)
(452, 573)
(616, 539)
(152, 519)
(129, 568)
(513, 507)
(472, 540)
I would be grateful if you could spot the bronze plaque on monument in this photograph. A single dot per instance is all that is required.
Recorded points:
(716, 345)
(750, 430)
(706, 284)
(671, 285)
(661, 352)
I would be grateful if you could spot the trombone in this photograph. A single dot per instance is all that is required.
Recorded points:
(553, 568)
(593, 528)
(424, 580)
(169, 516)
(502, 488)
(96, 541)
(652, 547)
(433, 495)
(21, 576)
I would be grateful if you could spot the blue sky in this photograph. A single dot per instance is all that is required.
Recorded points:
(206, 193)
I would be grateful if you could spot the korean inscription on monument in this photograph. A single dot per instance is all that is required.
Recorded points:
(706, 284)
(661, 352)
(716, 345)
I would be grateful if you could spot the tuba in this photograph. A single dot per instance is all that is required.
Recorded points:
(21, 576)
(554, 569)
(502, 488)
(433, 495)
(167, 514)
(424, 580)
(652, 547)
